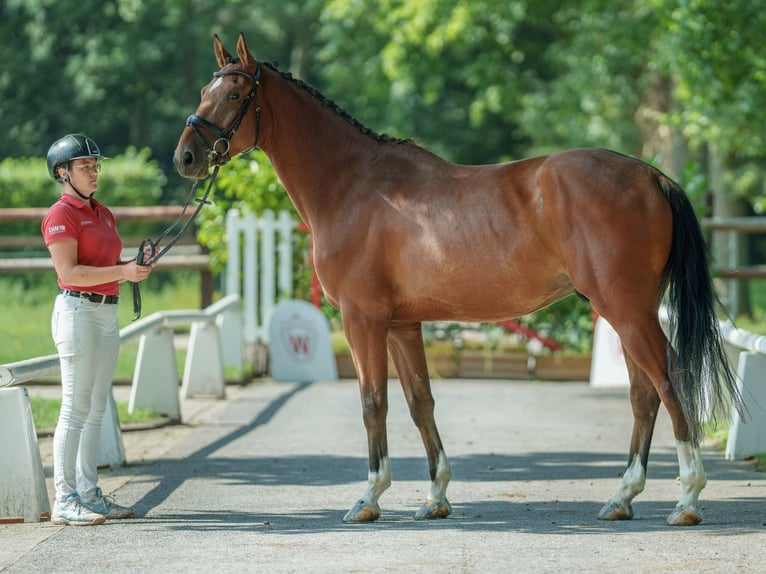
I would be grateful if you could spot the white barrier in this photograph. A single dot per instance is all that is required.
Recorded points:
(748, 437)
(299, 344)
(607, 366)
(23, 495)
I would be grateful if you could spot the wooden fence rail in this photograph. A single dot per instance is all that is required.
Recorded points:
(187, 254)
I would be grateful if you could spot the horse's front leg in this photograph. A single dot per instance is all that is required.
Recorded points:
(367, 340)
(406, 345)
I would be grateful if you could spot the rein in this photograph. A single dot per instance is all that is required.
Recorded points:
(144, 258)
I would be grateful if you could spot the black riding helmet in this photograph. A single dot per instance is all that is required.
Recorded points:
(71, 146)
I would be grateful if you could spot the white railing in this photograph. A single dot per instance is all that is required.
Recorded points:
(24, 371)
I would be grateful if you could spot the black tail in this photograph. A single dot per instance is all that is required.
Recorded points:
(699, 370)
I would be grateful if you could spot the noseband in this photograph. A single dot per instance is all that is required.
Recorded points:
(219, 151)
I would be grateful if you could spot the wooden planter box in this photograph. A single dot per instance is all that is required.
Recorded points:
(493, 365)
(471, 364)
(562, 368)
(463, 364)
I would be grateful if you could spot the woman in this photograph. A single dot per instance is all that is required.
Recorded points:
(82, 238)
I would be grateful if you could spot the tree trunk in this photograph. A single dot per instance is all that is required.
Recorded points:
(728, 248)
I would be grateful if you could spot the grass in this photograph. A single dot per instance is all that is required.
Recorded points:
(45, 413)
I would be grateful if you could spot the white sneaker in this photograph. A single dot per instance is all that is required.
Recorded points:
(106, 506)
(74, 513)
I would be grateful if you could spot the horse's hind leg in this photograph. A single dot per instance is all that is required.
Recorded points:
(406, 346)
(644, 401)
(647, 347)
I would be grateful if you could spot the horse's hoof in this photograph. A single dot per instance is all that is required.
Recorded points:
(363, 512)
(614, 511)
(684, 516)
(433, 509)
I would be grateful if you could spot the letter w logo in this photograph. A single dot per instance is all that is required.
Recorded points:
(300, 345)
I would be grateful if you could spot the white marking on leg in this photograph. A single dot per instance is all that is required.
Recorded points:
(691, 473)
(377, 482)
(441, 480)
(633, 483)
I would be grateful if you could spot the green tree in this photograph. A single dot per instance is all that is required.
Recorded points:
(450, 74)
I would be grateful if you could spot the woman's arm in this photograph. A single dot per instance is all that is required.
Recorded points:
(64, 255)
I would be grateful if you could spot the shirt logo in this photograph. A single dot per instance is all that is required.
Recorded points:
(86, 222)
(56, 229)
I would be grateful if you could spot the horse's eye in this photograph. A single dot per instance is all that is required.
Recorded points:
(233, 96)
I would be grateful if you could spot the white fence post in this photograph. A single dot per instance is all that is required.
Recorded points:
(285, 225)
(748, 437)
(155, 378)
(268, 268)
(232, 242)
(111, 450)
(203, 372)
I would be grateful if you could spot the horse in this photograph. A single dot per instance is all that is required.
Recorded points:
(402, 236)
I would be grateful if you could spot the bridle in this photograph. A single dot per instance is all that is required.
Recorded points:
(224, 136)
(216, 156)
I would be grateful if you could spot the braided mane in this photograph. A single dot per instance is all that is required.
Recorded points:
(328, 103)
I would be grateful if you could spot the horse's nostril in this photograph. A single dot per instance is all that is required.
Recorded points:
(188, 158)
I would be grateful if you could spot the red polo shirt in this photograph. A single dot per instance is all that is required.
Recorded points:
(93, 227)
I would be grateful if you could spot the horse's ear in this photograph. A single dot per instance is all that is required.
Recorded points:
(221, 55)
(244, 54)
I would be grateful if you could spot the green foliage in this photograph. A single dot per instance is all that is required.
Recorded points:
(132, 178)
(449, 74)
(25, 326)
(568, 321)
(129, 179)
(248, 184)
(714, 52)
(599, 63)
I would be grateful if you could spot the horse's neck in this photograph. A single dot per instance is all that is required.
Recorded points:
(312, 148)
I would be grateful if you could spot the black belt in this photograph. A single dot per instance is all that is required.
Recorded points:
(92, 297)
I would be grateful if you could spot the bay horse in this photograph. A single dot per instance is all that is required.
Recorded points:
(402, 236)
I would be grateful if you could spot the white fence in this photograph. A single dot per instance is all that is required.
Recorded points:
(259, 266)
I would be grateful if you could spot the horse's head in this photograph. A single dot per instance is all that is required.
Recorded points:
(220, 129)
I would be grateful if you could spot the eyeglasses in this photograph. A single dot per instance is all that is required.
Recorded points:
(89, 168)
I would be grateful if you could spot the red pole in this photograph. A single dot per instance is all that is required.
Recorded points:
(316, 288)
(531, 334)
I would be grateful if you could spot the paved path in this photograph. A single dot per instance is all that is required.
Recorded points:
(260, 482)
